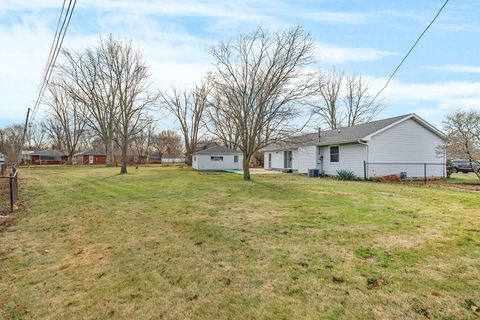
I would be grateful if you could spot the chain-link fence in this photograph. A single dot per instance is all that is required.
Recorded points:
(9, 191)
(423, 171)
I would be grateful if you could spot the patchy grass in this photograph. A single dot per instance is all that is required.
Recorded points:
(166, 242)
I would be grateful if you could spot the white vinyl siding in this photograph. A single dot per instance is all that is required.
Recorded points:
(307, 158)
(278, 159)
(407, 142)
(212, 162)
(351, 158)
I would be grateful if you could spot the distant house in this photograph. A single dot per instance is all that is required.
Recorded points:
(217, 158)
(404, 145)
(48, 157)
(91, 157)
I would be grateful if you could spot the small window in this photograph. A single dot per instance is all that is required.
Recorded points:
(194, 158)
(235, 158)
(334, 154)
(216, 158)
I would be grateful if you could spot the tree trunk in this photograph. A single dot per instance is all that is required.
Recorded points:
(109, 152)
(246, 167)
(70, 158)
(123, 168)
(188, 159)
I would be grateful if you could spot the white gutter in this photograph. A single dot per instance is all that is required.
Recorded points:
(367, 155)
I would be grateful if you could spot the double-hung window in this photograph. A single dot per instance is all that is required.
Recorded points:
(335, 154)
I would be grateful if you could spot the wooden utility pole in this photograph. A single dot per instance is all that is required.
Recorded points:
(19, 153)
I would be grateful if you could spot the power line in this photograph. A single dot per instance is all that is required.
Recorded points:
(411, 49)
(58, 40)
(53, 48)
(52, 58)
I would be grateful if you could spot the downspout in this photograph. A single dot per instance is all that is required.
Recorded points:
(367, 155)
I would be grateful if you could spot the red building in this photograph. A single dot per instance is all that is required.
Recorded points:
(48, 157)
(92, 156)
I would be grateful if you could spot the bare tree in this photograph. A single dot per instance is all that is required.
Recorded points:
(329, 85)
(130, 76)
(344, 100)
(67, 117)
(360, 106)
(36, 135)
(10, 141)
(188, 107)
(143, 141)
(219, 123)
(91, 82)
(261, 78)
(54, 132)
(167, 142)
(463, 137)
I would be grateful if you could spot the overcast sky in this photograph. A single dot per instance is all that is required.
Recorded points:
(368, 36)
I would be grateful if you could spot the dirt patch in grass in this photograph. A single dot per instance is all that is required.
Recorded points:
(408, 241)
(352, 195)
(92, 255)
(5, 222)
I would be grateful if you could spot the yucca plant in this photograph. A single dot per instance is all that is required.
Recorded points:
(346, 175)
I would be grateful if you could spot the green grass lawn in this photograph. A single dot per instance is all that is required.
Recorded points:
(169, 243)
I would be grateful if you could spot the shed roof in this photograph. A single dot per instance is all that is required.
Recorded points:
(218, 150)
(348, 134)
(48, 152)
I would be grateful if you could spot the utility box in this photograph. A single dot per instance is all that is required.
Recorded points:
(313, 173)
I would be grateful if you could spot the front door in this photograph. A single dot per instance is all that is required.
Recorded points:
(287, 159)
(90, 159)
(236, 165)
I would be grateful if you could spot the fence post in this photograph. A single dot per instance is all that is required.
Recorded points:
(425, 173)
(10, 180)
(364, 169)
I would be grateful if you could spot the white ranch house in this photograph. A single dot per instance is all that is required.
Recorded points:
(217, 158)
(405, 145)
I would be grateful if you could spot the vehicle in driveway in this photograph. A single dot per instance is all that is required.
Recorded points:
(464, 166)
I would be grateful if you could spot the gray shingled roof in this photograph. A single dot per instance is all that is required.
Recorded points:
(337, 136)
(47, 153)
(218, 150)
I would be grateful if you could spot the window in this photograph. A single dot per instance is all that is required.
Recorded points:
(334, 154)
(216, 158)
(194, 158)
(235, 158)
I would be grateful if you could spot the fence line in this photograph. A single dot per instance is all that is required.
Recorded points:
(402, 168)
(12, 187)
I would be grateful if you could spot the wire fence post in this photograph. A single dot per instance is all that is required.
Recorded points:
(425, 173)
(11, 191)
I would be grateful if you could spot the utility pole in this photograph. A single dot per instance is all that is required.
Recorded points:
(19, 154)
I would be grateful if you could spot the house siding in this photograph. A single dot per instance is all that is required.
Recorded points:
(278, 160)
(351, 157)
(406, 142)
(203, 162)
(307, 158)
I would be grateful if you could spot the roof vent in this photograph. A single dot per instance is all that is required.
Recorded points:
(339, 131)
